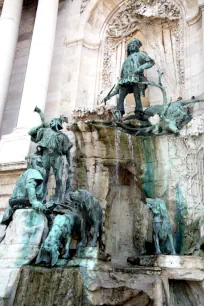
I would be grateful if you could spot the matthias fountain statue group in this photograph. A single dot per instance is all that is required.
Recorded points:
(77, 214)
(73, 213)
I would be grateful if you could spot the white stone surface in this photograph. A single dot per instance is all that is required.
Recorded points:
(9, 29)
(23, 237)
(39, 63)
(154, 119)
(195, 127)
(14, 147)
(2, 228)
(9, 280)
(13, 101)
(20, 246)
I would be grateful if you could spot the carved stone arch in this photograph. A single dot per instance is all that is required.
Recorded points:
(95, 18)
(156, 24)
(191, 7)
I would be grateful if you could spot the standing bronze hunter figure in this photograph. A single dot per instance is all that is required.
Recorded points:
(132, 74)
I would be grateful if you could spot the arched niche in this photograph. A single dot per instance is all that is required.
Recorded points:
(178, 48)
(160, 27)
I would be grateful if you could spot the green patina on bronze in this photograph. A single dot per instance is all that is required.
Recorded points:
(88, 206)
(132, 76)
(28, 191)
(52, 145)
(65, 227)
(181, 213)
(148, 176)
(162, 228)
(172, 116)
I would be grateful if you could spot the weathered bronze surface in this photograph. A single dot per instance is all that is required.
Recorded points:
(59, 238)
(84, 202)
(53, 145)
(132, 76)
(28, 191)
(162, 228)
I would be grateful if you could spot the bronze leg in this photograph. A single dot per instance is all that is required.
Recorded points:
(123, 91)
(138, 103)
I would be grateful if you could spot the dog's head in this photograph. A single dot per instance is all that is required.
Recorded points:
(78, 199)
(157, 206)
(49, 253)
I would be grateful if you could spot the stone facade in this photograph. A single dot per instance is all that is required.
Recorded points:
(65, 62)
(86, 45)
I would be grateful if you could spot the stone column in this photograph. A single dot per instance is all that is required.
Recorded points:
(39, 63)
(9, 29)
(158, 293)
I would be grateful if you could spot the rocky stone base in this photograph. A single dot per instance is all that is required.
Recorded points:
(19, 247)
(157, 283)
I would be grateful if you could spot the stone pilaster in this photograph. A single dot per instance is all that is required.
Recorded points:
(35, 85)
(9, 29)
(39, 63)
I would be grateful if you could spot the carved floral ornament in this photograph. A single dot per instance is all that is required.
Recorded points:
(130, 13)
(142, 16)
(84, 4)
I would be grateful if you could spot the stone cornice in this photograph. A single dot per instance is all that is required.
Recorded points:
(13, 166)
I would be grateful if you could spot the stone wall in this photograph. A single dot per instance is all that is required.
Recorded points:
(106, 284)
(7, 183)
(103, 164)
(121, 170)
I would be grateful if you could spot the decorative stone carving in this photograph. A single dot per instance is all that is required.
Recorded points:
(84, 4)
(131, 14)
